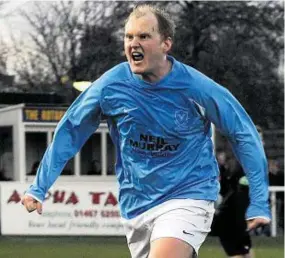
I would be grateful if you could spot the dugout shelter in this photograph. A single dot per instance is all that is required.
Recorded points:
(27, 129)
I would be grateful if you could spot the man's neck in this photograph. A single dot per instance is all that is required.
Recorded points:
(161, 72)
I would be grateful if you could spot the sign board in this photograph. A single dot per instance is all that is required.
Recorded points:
(42, 114)
(69, 209)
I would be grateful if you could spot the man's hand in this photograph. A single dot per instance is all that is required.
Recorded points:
(256, 222)
(31, 204)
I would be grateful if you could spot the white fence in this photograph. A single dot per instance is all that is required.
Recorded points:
(273, 190)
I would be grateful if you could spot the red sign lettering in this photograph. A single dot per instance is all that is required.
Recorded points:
(15, 197)
(58, 196)
(96, 197)
(111, 199)
(72, 199)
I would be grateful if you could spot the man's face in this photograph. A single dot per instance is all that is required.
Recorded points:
(145, 48)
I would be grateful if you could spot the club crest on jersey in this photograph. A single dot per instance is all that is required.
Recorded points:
(181, 119)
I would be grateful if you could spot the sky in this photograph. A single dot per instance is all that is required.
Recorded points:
(10, 18)
(12, 23)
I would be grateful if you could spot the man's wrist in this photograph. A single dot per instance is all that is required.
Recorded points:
(260, 217)
(34, 197)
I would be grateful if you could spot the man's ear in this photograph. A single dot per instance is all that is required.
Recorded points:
(167, 44)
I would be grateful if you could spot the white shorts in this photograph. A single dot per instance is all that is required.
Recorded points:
(186, 219)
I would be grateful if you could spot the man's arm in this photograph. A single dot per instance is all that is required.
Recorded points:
(231, 119)
(79, 122)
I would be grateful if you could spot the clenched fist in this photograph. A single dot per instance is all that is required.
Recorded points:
(257, 222)
(31, 204)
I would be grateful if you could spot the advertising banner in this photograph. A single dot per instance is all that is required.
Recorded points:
(69, 209)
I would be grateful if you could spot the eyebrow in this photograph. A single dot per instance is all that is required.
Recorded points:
(139, 34)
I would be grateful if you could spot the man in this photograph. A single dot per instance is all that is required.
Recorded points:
(229, 222)
(159, 114)
(276, 178)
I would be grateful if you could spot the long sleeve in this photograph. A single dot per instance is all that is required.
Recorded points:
(76, 126)
(229, 117)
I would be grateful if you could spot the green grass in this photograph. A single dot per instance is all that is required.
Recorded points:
(95, 247)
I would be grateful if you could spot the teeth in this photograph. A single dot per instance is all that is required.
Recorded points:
(137, 56)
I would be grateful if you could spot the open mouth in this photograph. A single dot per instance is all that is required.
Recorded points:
(137, 56)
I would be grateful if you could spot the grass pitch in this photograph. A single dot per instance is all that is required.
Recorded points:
(104, 247)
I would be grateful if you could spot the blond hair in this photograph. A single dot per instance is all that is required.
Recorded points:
(166, 26)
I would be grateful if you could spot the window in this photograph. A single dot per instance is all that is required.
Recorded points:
(6, 154)
(36, 144)
(96, 158)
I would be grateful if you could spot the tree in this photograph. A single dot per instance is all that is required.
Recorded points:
(52, 45)
(3, 56)
(6, 81)
(101, 42)
(66, 40)
(3, 45)
(98, 53)
(239, 45)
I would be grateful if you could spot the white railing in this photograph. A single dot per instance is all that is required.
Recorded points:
(273, 190)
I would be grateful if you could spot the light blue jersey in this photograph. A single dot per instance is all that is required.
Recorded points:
(162, 134)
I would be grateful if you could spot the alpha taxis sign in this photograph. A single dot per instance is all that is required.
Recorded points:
(69, 209)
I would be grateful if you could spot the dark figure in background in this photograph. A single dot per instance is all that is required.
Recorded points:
(3, 177)
(229, 223)
(276, 178)
(224, 171)
(34, 169)
(95, 168)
